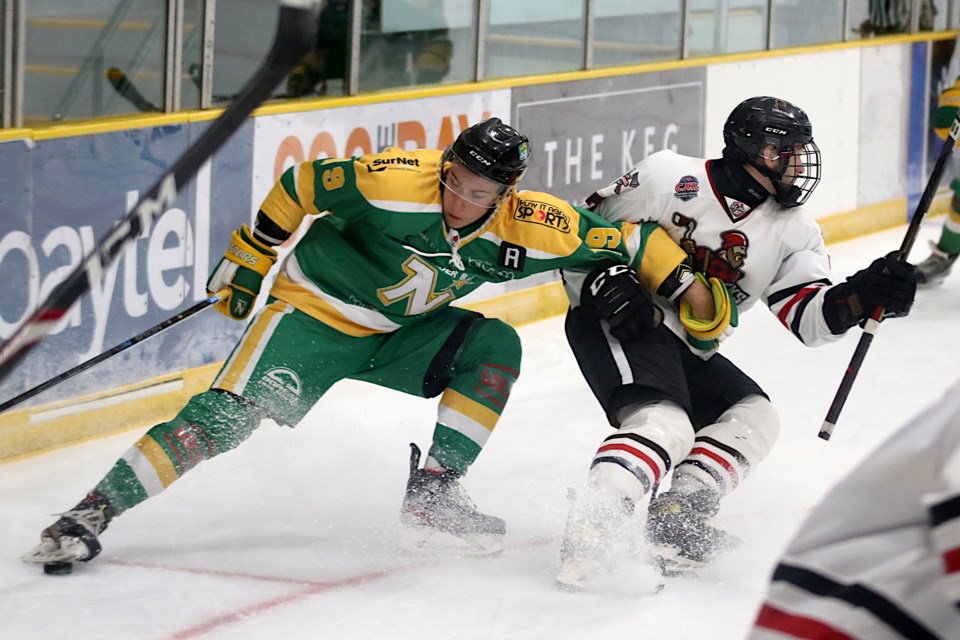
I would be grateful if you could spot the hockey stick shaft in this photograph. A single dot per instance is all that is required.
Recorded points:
(873, 324)
(123, 346)
(295, 32)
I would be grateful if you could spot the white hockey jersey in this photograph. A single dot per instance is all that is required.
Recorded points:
(879, 558)
(767, 253)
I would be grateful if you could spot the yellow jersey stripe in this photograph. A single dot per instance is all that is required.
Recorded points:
(239, 367)
(305, 181)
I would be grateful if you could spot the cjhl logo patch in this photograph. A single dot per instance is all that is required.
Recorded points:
(687, 189)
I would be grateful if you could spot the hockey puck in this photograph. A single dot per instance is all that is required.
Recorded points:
(58, 568)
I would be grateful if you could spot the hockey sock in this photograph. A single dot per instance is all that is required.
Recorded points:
(484, 371)
(212, 423)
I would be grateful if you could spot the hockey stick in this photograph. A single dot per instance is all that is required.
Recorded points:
(295, 33)
(125, 87)
(873, 324)
(123, 346)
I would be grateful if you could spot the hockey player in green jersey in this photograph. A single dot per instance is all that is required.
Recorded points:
(365, 294)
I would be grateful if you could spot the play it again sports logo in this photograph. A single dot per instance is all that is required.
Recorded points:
(543, 213)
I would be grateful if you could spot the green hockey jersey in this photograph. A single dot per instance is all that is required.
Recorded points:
(380, 256)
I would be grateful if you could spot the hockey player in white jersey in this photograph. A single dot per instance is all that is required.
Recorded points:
(677, 406)
(879, 558)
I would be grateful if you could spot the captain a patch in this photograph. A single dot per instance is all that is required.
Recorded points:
(512, 256)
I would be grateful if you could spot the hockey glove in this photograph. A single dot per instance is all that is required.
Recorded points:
(241, 272)
(887, 283)
(615, 294)
(707, 334)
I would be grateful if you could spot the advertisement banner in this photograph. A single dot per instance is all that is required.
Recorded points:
(283, 140)
(81, 186)
(586, 134)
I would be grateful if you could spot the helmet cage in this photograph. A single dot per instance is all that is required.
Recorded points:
(798, 173)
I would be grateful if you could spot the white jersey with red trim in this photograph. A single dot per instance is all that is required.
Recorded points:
(879, 558)
(768, 252)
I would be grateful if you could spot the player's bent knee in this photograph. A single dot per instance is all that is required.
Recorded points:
(752, 420)
(494, 341)
(211, 423)
(749, 427)
(664, 424)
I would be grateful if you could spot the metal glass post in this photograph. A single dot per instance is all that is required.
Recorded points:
(173, 62)
(684, 24)
(483, 22)
(769, 38)
(589, 33)
(208, 40)
(18, 50)
(353, 66)
(6, 70)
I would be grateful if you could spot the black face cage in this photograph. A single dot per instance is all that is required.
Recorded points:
(799, 174)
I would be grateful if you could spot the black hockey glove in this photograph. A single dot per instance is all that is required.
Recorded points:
(615, 294)
(887, 283)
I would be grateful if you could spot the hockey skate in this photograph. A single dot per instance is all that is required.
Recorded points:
(679, 535)
(437, 507)
(74, 536)
(589, 538)
(934, 270)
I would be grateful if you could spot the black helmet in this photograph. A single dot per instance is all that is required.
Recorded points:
(493, 150)
(757, 123)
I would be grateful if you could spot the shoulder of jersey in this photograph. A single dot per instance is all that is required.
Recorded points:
(799, 228)
(664, 170)
(398, 175)
(543, 210)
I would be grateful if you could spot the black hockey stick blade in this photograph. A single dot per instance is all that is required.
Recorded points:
(125, 87)
(123, 346)
(873, 324)
(295, 33)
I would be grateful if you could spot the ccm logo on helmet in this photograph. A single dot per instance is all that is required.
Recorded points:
(479, 157)
(774, 130)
